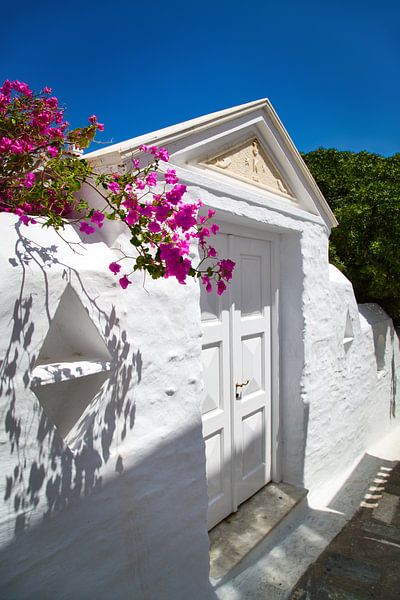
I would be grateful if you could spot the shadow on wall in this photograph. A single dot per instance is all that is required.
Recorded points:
(64, 474)
(137, 537)
(295, 408)
(384, 342)
(120, 537)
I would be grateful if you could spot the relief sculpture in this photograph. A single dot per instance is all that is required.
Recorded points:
(250, 163)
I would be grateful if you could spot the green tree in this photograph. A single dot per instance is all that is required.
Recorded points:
(363, 190)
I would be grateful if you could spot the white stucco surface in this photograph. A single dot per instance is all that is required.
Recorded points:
(117, 517)
(117, 509)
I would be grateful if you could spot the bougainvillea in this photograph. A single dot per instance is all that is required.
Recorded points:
(41, 176)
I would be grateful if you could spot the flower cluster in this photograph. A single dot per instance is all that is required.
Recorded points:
(39, 170)
(41, 174)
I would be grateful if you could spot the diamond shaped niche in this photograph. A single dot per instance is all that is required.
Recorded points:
(72, 366)
(348, 337)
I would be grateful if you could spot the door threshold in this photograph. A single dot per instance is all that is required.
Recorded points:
(232, 539)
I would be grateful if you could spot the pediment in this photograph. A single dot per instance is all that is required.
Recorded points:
(249, 162)
(246, 144)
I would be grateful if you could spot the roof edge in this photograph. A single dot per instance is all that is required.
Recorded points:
(305, 170)
(179, 130)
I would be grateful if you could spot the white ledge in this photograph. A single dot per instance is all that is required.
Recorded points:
(66, 371)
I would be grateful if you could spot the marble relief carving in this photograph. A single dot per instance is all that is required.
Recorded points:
(250, 163)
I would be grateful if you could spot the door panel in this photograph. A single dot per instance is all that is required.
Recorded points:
(251, 360)
(216, 404)
(237, 350)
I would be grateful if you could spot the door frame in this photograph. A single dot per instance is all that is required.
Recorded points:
(258, 233)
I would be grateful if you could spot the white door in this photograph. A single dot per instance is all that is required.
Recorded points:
(237, 375)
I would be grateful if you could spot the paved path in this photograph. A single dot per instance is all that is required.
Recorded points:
(363, 560)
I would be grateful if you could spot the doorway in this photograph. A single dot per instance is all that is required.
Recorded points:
(237, 371)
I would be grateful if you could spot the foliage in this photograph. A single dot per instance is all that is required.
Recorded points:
(363, 190)
(41, 175)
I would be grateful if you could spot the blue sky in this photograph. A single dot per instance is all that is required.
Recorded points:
(330, 68)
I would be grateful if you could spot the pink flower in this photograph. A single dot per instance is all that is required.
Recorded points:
(174, 195)
(24, 219)
(136, 163)
(29, 180)
(161, 212)
(52, 102)
(93, 121)
(154, 150)
(4, 101)
(114, 187)
(185, 217)
(146, 210)
(206, 281)
(210, 213)
(140, 184)
(124, 282)
(114, 267)
(55, 132)
(143, 148)
(18, 147)
(20, 86)
(175, 264)
(86, 228)
(52, 150)
(163, 154)
(221, 287)
(6, 87)
(170, 176)
(214, 228)
(42, 119)
(154, 227)
(128, 203)
(5, 144)
(98, 218)
(212, 252)
(205, 232)
(151, 179)
(226, 267)
(132, 217)
(46, 90)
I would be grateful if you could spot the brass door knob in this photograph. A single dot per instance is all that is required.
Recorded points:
(238, 388)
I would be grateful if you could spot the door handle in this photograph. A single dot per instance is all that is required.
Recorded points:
(238, 388)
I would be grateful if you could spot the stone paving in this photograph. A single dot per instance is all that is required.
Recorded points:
(363, 561)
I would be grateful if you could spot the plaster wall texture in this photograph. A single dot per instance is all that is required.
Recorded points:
(121, 511)
(334, 400)
(123, 515)
(355, 405)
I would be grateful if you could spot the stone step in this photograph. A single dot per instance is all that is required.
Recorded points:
(232, 539)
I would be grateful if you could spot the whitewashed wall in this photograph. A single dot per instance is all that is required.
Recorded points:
(354, 406)
(124, 515)
(334, 400)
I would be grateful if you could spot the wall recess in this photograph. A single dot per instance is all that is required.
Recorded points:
(72, 366)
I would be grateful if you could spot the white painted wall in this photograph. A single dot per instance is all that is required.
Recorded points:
(354, 406)
(124, 516)
(334, 402)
